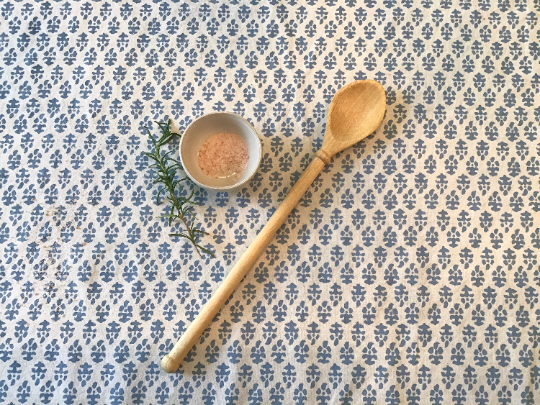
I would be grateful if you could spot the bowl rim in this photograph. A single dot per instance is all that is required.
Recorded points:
(232, 186)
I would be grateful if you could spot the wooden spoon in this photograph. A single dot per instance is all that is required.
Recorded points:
(356, 110)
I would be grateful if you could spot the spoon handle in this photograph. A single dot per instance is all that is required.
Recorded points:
(171, 362)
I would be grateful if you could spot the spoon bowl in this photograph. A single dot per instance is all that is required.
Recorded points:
(356, 110)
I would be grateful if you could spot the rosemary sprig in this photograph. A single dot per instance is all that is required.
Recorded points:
(167, 168)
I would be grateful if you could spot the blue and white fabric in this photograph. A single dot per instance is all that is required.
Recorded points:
(408, 274)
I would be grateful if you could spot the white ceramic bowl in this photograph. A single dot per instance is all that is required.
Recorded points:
(203, 128)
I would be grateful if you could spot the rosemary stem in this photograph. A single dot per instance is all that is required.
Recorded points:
(166, 176)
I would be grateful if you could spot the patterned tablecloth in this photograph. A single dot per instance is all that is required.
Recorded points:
(407, 274)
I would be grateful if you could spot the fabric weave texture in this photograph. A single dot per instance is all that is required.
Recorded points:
(409, 272)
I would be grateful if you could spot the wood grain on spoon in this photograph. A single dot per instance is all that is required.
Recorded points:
(356, 110)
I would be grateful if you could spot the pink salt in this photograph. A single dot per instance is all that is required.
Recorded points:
(223, 155)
